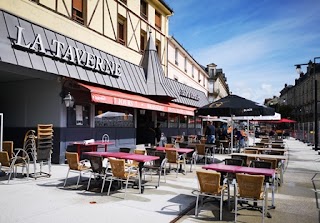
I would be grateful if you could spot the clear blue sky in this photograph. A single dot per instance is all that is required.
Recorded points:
(255, 42)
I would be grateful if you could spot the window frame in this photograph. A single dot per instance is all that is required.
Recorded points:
(176, 56)
(185, 64)
(122, 22)
(75, 10)
(158, 47)
(143, 40)
(157, 20)
(144, 14)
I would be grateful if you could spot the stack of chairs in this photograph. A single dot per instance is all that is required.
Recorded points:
(44, 148)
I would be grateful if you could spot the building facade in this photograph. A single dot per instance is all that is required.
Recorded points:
(217, 83)
(300, 97)
(110, 56)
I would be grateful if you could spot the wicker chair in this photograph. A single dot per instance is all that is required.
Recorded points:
(209, 185)
(98, 170)
(250, 188)
(75, 166)
(122, 173)
(169, 145)
(201, 150)
(8, 147)
(243, 157)
(6, 156)
(172, 157)
(157, 166)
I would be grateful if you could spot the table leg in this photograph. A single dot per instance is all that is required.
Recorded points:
(79, 151)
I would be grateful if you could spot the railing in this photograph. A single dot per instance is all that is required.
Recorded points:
(316, 186)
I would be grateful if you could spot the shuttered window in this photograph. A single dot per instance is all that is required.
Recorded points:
(122, 30)
(143, 41)
(158, 20)
(144, 9)
(77, 11)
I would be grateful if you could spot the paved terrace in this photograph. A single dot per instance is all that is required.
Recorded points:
(46, 200)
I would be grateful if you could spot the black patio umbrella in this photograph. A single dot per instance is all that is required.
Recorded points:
(234, 105)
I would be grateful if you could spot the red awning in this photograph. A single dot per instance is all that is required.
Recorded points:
(102, 95)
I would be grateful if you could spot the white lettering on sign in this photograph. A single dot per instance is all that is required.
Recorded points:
(188, 94)
(68, 54)
(247, 109)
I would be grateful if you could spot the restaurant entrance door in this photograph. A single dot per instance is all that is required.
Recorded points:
(144, 123)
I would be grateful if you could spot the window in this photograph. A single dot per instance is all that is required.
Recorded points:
(183, 121)
(191, 122)
(176, 57)
(113, 116)
(78, 11)
(185, 64)
(122, 30)
(199, 77)
(162, 119)
(158, 47)
(78, 116)
(143, 9)
(158, 20)
(143, 41)
(173, 120)
(198, 123)
(192, 71)
(175, 78)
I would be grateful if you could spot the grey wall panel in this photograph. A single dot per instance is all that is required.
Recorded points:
(113, 81)
(124, 80)
(21, 56)
(73, 72)
(29, 35)
(82, 74)
(106, 78)
(49, 64)
(140, 78)
(61, 67)
(6, 52)
(63, 70)
(90, 74)
(125, 77)
(99, 76)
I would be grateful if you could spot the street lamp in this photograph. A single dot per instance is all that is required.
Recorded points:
(313, 65)
(68, 100)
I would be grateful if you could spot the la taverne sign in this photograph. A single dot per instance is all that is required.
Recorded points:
(68, 53)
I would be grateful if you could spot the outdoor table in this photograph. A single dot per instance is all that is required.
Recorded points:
(279, 158)
(270, 144)
(182, 151)
(129, 156)
(241, 169)
(93, 146)
(263, 149)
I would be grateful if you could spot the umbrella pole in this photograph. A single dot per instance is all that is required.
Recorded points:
(231, 133)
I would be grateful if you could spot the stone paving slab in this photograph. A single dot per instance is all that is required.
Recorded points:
(46, 200)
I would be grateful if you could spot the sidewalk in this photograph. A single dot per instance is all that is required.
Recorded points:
(45, 199)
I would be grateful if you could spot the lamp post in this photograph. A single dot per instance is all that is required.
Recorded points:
(313, 65)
